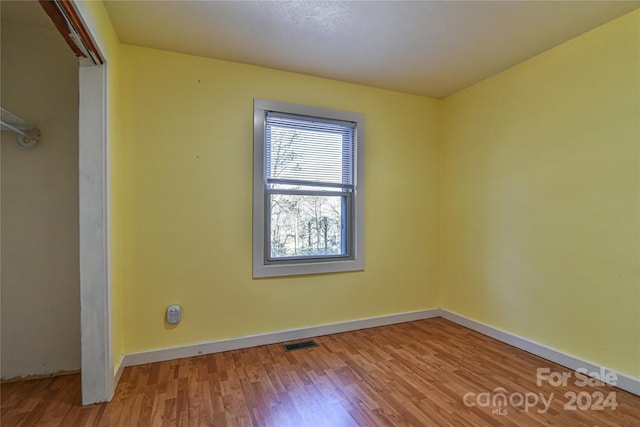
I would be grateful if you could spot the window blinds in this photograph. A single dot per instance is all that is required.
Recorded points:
(308, 151)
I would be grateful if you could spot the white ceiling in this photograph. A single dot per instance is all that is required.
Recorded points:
(432, 48)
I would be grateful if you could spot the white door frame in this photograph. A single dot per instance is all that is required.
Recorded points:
(95, 310)
(98, 383)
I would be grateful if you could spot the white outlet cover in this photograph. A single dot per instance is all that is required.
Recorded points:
(173, 314)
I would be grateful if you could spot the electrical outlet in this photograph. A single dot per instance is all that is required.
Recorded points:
(173, 314)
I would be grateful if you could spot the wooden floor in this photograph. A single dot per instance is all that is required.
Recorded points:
(424, 373)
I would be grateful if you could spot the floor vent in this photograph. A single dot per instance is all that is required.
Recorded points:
(300, 345)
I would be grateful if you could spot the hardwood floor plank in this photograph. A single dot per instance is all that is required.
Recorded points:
(424, 373)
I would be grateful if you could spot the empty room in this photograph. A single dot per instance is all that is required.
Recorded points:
(320, 213)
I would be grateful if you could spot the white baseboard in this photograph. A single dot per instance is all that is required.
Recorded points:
(624, 382)
(117, 373)
(159, 355)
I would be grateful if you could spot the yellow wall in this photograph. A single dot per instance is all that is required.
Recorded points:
(527, 182)
(540, 198)
(184, 192)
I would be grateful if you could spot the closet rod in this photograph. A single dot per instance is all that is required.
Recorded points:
(28, 135)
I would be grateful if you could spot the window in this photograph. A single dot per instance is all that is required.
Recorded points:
(308, 194)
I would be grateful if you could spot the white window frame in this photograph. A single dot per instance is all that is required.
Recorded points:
(262, 267)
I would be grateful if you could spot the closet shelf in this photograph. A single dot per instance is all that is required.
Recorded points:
(27, 135)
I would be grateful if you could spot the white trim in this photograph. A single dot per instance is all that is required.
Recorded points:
(209, 347)
(624, 382)
(97, 364)
(98, 380)
(261, 269)
(118, 372)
